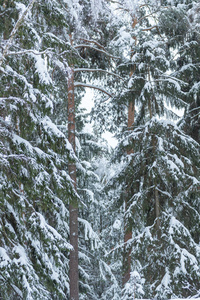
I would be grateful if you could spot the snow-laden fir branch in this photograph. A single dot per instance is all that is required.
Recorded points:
(13, 288)
(98, 70)
(80, 84)
(46, 51)
(16, 27)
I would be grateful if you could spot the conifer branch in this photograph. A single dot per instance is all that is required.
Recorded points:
(149, 15)
(94, 48)
(97, 70)
(94, 42)
(12, 287)
(28, 51)
(14, 31)
(147, 29)
(196, 108)
(80, 84)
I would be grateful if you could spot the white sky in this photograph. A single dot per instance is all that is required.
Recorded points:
(88, 103)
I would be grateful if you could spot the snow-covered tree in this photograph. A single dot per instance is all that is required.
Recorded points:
(138, 226)
(155, 152)
(163, 177)
(188, 70)
(35, 186)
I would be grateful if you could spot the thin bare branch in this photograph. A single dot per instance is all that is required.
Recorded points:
(80, 84)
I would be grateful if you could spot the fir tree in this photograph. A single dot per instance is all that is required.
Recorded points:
(154, 85)
(35, 187)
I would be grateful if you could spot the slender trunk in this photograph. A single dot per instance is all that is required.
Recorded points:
(131, 114)
(127, 251)
(73, 207)
(156, 194)
(157, 208)
(127, 227)
(149, 100)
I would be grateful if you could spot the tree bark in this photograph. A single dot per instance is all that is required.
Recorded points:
(127, 252)
(157, 208)
(73, 207)
(127, 228)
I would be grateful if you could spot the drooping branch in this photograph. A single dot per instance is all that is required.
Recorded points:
(94, 48)
(16, 27)
(12, 287)
(147, 29)
(94, 42)
(28, 51)
(98, 70)
(80, 84)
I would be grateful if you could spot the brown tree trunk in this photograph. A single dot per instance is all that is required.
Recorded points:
(156, 194)
(73, 207)
(127, 252)
(157, 208)
(127, 228)
(131, 115)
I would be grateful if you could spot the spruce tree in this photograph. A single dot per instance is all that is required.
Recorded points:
(149, 176)
(188, 70)
(35, 186)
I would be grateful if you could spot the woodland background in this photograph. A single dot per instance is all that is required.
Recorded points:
(79, 219)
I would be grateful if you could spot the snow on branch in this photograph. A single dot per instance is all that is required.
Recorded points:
(13, 287)
(97, 70)
(80, 84)
(94, 48)
(46, 51)
(90, 234)
(149, 28)
(16, 27)
(94, 42)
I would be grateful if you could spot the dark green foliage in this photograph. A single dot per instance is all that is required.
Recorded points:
(158, 175)
(35, 186)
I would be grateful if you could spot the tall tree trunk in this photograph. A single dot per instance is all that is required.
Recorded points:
(127, 251)
(73, 207)
(127, 227)
(156, 194)
(157, 208)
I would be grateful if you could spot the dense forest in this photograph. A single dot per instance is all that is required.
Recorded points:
(80, 219)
